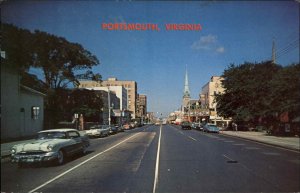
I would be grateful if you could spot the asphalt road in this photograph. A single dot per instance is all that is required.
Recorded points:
(188, 161)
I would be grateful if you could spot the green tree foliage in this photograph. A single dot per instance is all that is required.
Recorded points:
(285, 95)
(259, 90)
(81, 101)
(17, 44)
(61, 62)
(60, 59)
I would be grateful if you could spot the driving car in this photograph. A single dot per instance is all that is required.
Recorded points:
(185, 125)
(210, 128)
(50, 146)
(98, 131)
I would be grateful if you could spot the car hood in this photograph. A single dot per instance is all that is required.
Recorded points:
(38, 145)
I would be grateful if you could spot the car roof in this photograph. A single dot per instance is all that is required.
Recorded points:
(60, 130)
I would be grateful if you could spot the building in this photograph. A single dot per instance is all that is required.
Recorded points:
(130, 86)
(119, 91)
(207, 98)
(108, 98)
(22, 108)
(141, 106)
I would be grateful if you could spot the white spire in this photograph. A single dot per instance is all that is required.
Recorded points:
(186, 92)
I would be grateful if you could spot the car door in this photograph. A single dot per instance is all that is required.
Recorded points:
(77, 143)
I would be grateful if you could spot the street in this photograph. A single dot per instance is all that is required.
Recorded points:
(188, 161)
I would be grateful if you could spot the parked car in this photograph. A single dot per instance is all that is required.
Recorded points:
(50, 146)
(132, 125)
(126, 126)
(120, 128)
(211, 128)
(185, 125)
(98, 131)
(113, 129)
(195, 125)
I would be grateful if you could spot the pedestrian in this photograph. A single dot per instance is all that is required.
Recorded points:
(234, 126)
(81, 122)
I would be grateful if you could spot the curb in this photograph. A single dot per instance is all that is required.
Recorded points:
(266, 143)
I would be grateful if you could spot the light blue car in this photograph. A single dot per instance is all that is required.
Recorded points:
(210, 128)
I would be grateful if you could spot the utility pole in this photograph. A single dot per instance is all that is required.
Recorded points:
(108, 96)
(273, 52)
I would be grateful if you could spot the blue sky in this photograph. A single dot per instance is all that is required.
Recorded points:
(232, 32)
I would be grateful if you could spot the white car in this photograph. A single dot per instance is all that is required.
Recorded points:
(98, 131)
(50, 146)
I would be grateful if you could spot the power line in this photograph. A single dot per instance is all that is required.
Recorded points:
(288, 48)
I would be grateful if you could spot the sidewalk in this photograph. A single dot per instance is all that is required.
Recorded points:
(292, 143)
(5, 147)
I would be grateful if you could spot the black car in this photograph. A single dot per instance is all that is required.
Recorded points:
(186, 125)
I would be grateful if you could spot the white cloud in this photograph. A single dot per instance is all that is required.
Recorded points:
(205, 42)
(208, 42)
(220, 49)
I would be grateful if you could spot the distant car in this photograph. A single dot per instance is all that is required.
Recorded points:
(120, 128)
(113, 129)
(50, 146)
(132, 125)
(98, 131)
(195, 125)
(126, 126)
(211, 128)
(185, 125)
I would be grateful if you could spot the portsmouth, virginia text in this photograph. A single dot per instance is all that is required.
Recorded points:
(149, 27)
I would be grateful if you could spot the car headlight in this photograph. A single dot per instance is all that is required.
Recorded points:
(13, 151)
(50, 147)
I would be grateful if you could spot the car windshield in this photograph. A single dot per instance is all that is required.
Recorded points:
(52, 135)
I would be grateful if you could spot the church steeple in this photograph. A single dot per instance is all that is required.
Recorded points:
(186, 92)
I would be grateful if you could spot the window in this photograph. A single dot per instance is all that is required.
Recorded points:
(35, 111)
(73, 134)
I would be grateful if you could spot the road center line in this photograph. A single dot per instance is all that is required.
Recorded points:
(73, 168)
(228, 157)
(192, 138)
(157, 162)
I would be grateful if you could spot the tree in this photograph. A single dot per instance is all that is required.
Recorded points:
(285, 95)
(247, 89)
(60, 60)
(17, 44)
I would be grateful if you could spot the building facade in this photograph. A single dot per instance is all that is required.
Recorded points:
(141, 106)
(119, 91)
(110, 102)
(22, 108)
(207, 98)
(130, 86)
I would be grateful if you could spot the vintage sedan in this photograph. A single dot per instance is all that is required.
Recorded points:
(50, 146)
(210, 128)
(186, 125)
(98, 131)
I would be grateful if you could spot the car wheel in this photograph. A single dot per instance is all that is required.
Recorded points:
(60, 157)
(84, 149)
